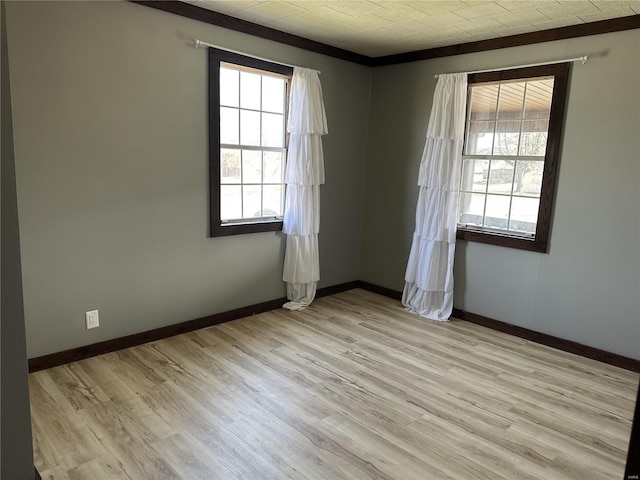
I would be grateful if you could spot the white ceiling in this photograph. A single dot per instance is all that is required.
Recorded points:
(376, 28)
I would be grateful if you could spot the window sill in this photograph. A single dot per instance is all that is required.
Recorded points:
(241, 228)
(532, 245)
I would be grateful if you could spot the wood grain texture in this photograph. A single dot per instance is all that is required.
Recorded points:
(353, 387)
(549, 340)
(74, 354)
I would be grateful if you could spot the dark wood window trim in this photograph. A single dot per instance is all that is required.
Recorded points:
(556, 120)
(216, 227)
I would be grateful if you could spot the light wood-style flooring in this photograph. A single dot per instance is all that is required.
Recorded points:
(354, 387)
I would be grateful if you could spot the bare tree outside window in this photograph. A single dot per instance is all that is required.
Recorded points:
(508, 126)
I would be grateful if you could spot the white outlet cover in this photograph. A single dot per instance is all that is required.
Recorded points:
(92, 319)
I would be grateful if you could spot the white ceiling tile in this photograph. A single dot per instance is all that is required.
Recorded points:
(367, 22)
(558, 23)
(472, 3)
(482, 10)
(386, 34)
(312, 4)
(523, 17)
(378, 27)
(412, 38)
(519, 5)
(225, 6)
(397, 12)
(481, 25)
(604, 5)
(607, 14)
(296, 24)
(287, 26)
(477, 37)
(326, 15)
(442, 19)
(516, 30)
(436, 7)
(274, 10)
(411, 26)
(355, 8)
(568, 9)
(446, 31)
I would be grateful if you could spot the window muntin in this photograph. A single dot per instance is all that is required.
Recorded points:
(506, 139)
(247, 115)
(252, 144)
(513, 128)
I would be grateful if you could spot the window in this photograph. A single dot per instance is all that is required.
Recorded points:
(247, 146)
(510, 155)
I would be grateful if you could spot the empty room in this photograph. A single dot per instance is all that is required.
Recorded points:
(320, 240)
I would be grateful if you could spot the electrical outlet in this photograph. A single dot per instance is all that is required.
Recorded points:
(92, 319)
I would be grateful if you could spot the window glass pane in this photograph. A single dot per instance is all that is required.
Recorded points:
(471, 209)
(230, 202)
(272, 167)
(511, 101)
(229, 125)
(524, 214)
(251, 166)
(250, 90)
(251, 198)
(480, 138)
(534, 137)
(249, 127)
(538, 101)
(250, 160)
(272, 130)
(272, 200)
(229, 87)
(506, 138)
(229, 165)
(484, 100)
(273, 94)
(501, 176)
(510, 127)
(474, 175)
(497, 211)
(528, 178)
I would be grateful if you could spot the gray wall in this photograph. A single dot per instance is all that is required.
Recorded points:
(110, 119)
(15, 440)
(587, 288)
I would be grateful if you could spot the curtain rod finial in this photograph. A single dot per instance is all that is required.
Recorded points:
(196, 43)
(584, 59)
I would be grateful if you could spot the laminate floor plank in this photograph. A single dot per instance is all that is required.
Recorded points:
(354, 387)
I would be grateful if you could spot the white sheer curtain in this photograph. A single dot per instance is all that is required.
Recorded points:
(428, 288)
(303, 175)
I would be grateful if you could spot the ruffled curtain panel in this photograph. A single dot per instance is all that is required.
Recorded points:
(303, 176)
(428, 288)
